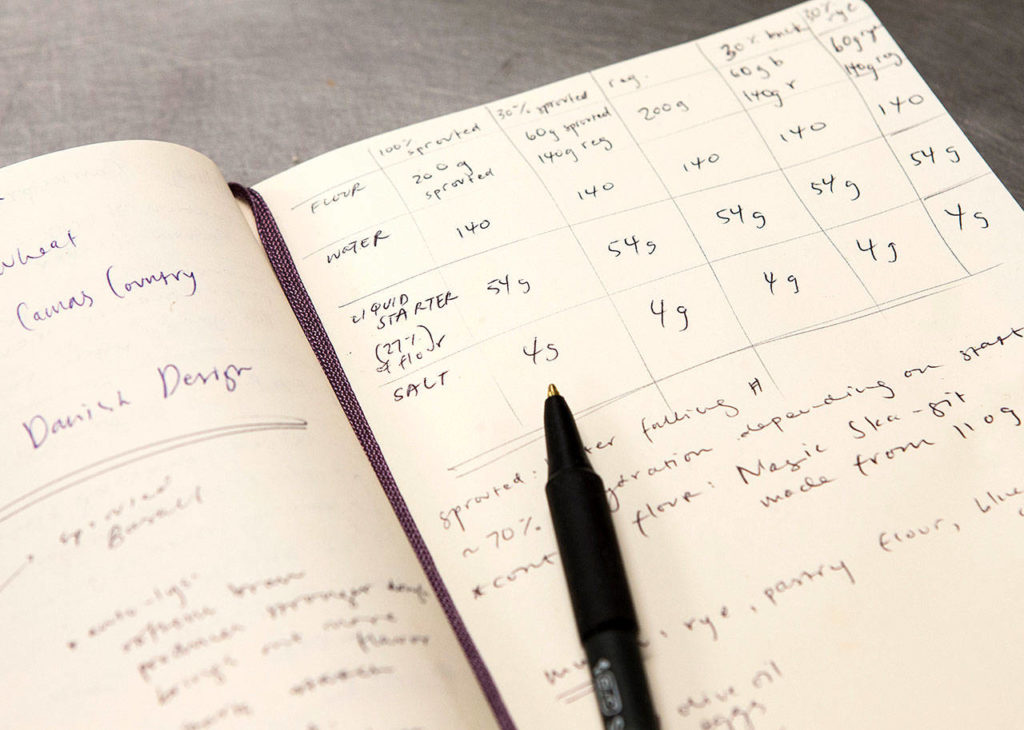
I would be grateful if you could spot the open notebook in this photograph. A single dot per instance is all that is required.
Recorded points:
(776, 283)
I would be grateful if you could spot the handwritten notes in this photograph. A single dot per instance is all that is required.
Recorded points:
(779, 287)
(774, 279)
(190, 537)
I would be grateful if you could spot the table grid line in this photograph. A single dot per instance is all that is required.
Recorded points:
(645, 282)
(410, 211)
(550, 231)
(777, 49)
(583, 411)
(679, 131)
(854, 315)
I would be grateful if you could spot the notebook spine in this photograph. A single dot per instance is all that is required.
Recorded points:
(312, 326)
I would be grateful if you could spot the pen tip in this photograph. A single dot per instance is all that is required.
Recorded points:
(552, 390)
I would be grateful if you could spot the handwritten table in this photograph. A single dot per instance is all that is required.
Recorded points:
(677, 208)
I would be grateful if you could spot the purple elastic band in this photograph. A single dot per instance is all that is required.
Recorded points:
(305, 313)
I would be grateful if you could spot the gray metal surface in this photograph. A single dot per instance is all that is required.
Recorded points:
(259, 85)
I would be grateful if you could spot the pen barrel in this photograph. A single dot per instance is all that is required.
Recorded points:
(589, 552)
(620, 683)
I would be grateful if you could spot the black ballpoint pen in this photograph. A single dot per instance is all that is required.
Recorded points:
(590, 556)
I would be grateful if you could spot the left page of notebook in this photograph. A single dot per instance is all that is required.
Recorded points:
(190, 535)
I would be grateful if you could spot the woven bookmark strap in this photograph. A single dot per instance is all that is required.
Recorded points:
(305, 312)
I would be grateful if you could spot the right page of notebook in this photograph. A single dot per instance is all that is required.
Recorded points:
(779, 288)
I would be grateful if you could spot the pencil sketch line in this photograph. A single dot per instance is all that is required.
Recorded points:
(15, 574)
(134, 455)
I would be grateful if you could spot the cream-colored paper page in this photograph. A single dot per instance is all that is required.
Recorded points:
(777, 284)
(190, 536)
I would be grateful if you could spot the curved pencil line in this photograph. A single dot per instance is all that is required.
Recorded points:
(119, 461)
(25, 563)
(584, 687)
(283, 424)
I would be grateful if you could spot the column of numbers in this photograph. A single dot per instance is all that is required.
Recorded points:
(620, 220)
(960, 208)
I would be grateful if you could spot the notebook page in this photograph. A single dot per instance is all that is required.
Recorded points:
(777, 285)
(190, 536)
